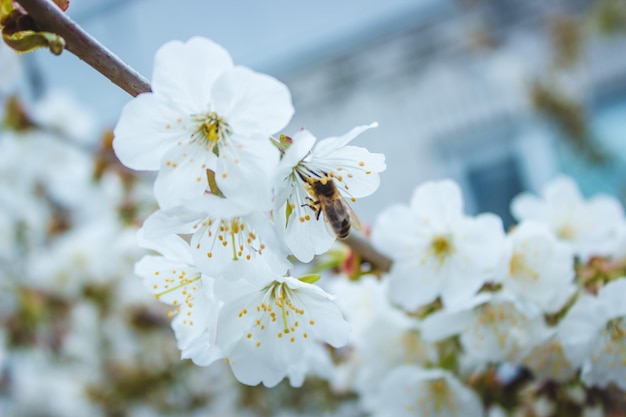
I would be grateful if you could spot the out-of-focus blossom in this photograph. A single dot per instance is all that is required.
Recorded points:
(69, 265)
(437, 250)
(590, 226)
(548, 361)
(59, 112)
(538, 268)
(492, 328)
(36, 375)
(361, 301)
(398, 342)
(607, 361)
(414, 391)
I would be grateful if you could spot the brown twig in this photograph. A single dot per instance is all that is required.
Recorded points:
(50, 18)
(362, 246)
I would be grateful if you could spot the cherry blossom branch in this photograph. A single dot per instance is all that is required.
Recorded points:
(51, 19)
(368, 252)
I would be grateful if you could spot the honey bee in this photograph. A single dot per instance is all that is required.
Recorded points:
(338, 215)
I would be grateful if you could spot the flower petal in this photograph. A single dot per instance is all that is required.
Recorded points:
(328, 146)
(439, 201)
(148, 127)
(184, 73)
(182, 175)
(251, 102)
(245, 172)
(304, 235)
(413, 285)
(355, 170)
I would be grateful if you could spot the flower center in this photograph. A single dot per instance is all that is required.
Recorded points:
(233, 233)
(518, 268)
(283, 301)
(210, 129)
(439, 392)
(413, 346)
(441, 247)
(566, 232)
(616, 328)
(615, 332)
(278, 313)
(501, 319)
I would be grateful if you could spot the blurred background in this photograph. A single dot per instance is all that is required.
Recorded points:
(500, 95)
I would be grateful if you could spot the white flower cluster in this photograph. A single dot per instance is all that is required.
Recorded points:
(75, 324)
(471, 320)
(234, 203)
(464, 298)
(66, 252)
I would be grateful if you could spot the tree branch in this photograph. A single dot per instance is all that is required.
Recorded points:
(51, 19)
(362, 246)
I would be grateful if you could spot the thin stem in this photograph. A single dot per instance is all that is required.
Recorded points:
(50, 18)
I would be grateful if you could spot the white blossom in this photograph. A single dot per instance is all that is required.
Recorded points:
(61, 113)
(590, 226)
(266, 326)
(352, 170)
(67, 265)
(591, 336)
(361, 301)
(548, 361)
(37, 374)
(492, 327)
(437, 250)
(394, 340)
(204, 114)
(227, 240)
(174, 280)
(578, 329)
(413, 391)
(607, 362)
(538, 268)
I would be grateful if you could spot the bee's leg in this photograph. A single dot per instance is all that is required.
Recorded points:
(315, 206)
(311, 203)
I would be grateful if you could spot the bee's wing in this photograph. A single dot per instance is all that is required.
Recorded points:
(333, 212)
(340, 217)
(329, 226)
(354, 219)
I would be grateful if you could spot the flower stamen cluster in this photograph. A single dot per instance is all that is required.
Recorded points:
(210, 130)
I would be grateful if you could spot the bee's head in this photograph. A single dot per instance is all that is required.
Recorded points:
(323, 186)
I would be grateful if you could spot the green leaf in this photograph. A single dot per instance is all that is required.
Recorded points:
(309, 279)
(6, 7)
(29, 40)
